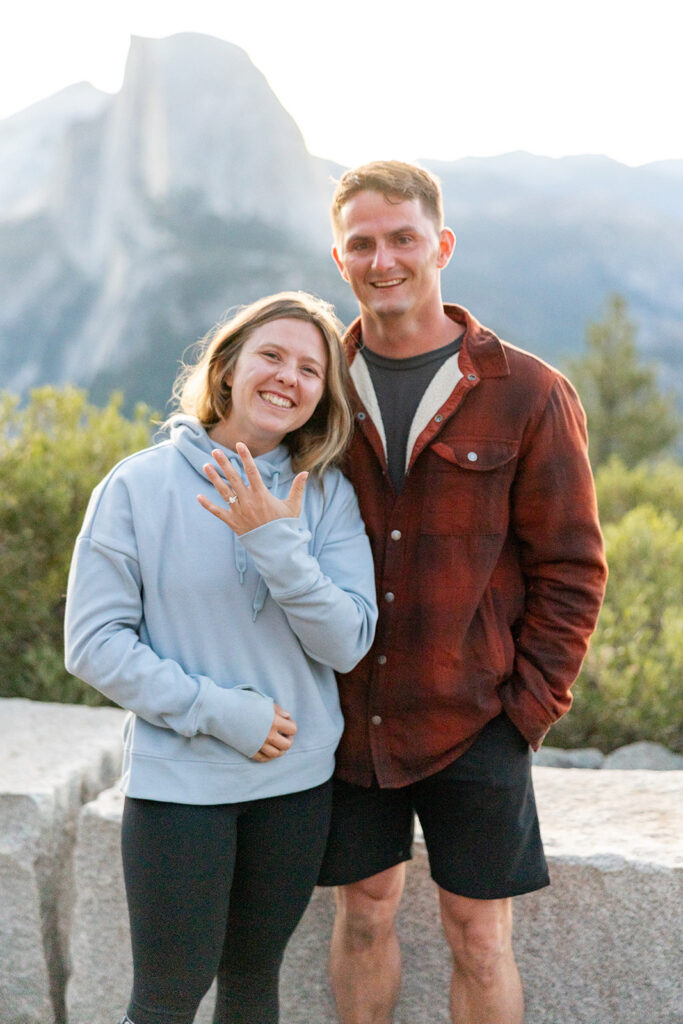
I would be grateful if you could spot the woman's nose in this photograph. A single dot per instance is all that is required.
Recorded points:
(286, 373)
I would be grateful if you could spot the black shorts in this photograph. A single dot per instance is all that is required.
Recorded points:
(478, 817)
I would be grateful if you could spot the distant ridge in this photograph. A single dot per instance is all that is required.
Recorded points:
(130, 223)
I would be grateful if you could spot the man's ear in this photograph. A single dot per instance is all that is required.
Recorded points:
(446, 247)
(340, 265)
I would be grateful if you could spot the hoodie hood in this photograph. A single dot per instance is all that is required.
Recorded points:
(193, 442)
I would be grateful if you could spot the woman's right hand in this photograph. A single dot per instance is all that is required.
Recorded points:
(279, 739)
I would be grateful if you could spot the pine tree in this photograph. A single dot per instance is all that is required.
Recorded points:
(627, 414)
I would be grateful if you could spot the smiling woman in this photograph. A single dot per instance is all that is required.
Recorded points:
(221, 635)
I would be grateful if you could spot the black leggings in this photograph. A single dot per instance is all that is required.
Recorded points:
(216, 891)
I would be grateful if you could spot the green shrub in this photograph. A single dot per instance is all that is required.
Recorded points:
(52, 453)
(620, 489)
(631, 686)
(55, 449)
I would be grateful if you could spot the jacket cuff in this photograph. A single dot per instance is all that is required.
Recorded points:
(525, 711)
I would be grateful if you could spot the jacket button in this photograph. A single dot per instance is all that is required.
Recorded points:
(395, 534)
(381, 659)
(376, 720)
(472, 456)
(471, 376)
(437, 419)
(360, 416)
(389, 596)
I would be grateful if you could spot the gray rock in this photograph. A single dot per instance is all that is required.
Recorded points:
(601, 946)
(52, 758)
(556, 757)
(644, 754)
(99, 986)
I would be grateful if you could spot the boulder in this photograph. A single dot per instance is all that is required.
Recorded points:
(99, 986)
(556, 757)
(600, 946)
(53, 758)
(652, 756)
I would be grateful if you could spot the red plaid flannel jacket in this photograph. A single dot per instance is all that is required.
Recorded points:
(490, 562)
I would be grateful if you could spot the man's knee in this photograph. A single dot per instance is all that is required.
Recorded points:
(366, 910)
(479, 933)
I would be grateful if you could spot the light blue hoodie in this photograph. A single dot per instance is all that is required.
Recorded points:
(197, 631)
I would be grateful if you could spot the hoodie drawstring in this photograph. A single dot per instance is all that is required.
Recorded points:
(190, 438)
(259, 598)
(241, 564)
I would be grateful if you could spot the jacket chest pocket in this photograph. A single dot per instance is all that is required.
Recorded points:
(467, 486)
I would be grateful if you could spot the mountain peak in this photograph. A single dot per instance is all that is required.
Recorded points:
(195, 116)
(130, 222)
(80, 100)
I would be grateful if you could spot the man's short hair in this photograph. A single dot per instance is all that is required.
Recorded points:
(396, 181)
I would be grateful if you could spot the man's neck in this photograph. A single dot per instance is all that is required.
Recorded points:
(400, 337)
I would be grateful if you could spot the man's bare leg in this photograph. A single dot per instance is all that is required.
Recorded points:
(365, 958)
(486, 987)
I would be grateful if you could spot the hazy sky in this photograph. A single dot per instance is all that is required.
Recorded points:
(366, 79)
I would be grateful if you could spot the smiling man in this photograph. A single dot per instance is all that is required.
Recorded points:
(470, 462)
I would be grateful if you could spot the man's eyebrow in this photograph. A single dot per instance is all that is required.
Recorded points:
(359, 236)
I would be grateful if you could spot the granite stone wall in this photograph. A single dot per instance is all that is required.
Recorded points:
(601, 946)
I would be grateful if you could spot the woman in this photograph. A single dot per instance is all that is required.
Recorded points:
(219, 623)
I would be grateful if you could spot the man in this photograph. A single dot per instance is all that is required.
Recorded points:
(470, 462)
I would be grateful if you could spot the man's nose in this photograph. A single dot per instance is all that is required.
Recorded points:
(382, 257)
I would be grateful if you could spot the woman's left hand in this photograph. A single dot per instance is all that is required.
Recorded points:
(253, 505)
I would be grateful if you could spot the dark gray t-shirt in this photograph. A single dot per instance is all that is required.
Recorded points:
(399, 385)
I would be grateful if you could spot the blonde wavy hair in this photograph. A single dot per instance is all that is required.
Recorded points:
(201, 391)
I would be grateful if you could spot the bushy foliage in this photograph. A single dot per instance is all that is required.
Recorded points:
(620, 489)
(52, 453)
(631, 685)
(54, 450)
